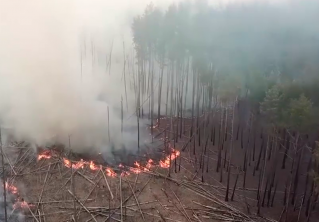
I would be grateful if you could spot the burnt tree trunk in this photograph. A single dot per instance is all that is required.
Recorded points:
(283, 166)
(230, 152)
(233, 194)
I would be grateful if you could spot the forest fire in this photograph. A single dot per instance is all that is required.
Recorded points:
(45, 155)
(20, 203)
(12, 189)
(138, 167)
(166, 163)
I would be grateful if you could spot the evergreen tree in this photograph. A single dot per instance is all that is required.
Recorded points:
(270, 106)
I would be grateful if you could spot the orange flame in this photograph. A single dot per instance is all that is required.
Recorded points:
(11, 188)
(135, 170)
(149, 163)
(166, 163)
(21, 205)
(157, 123)
(110, 172)
(94, 167)
(78, 165)
(45, 155)
(67, 163)
(138, 168)
(125, 173)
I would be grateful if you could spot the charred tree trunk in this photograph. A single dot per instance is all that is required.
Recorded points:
(274, 194)
(160, 93)
(306, 185)
(171, 108)
(309, 199)
(186, 88)
(264, 169)
(233, 194)
(219, 158)
(230, 152)
(265, 191)
(181, 110)
(260, 153)
(3, 180)
(254, 149)
(296, 179)
(242, 138)
(214, 137)
(283, 166)
(245, 169)
(193, 106)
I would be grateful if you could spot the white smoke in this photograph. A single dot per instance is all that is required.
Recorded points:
(45, 93)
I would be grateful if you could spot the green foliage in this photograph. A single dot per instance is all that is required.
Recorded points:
(138, 28)
(147, 34)
(290, 90)
(270, 107)
(299, 114)
(229, 87)
(289, 108)
(257, 84)
(230, 39)
(264, 52)
(274, 61)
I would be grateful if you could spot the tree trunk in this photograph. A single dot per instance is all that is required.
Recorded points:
(242, 138)
(265, 191)
(296, 179)
(193, 105)
(160, 94)
(237, 131)
(3, 180)
(233, 194)
(273, 196)
(230, 152)
(283, 166)
(260, 153)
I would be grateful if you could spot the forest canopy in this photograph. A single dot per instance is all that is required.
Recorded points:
(266, 54)
(258, 44)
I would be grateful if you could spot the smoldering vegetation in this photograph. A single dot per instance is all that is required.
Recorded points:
(10, 214)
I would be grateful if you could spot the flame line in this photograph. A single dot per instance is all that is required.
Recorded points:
(138, 168)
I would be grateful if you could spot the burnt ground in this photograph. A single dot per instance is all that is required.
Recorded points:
(57, 193)
(203, 149)
(190, 190)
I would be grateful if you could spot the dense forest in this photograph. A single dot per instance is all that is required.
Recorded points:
(252, 72)
(210, 114)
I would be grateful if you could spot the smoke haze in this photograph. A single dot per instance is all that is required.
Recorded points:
(46, 93)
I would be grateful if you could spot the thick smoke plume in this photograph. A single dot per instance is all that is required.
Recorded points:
(51, 84)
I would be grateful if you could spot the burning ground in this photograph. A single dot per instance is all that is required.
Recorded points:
(52, 186)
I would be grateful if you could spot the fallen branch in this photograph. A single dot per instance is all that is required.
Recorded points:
(136, 200)
(82, 205)
(107, 184)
